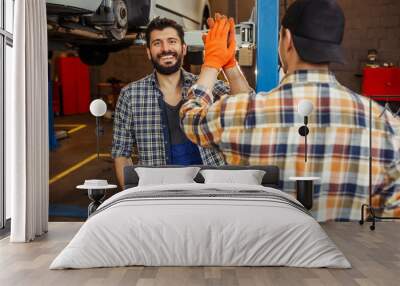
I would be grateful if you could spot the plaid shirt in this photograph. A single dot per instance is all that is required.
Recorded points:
(140, 120)
(262, 129)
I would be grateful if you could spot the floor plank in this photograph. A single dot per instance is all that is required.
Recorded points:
(374, 255)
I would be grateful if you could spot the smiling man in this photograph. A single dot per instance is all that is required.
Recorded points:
(147, 112)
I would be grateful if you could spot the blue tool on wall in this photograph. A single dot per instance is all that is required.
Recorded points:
(52, 135)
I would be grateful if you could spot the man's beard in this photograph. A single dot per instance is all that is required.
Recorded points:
(167, 70)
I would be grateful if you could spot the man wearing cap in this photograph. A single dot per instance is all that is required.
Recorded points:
(262, 129)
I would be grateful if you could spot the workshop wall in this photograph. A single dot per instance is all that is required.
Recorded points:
(127, 65)
(132, 64)
(241, 12)
(370, 24)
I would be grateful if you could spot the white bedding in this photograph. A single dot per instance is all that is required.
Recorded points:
(183, 231)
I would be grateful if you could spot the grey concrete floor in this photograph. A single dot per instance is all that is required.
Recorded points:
(66, 202)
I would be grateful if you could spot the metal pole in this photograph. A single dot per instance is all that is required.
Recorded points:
(2, 117)
(267, 76)
(98, 136)
(305, 148)
(370, 152)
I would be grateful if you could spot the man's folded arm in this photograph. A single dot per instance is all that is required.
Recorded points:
(200, 118)
(123, 136)
(237, 81)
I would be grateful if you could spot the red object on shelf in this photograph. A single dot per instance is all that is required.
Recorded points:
(381, 83)
(75, 85)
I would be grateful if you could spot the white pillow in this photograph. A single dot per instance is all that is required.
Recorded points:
(164, 176)
(248, 177)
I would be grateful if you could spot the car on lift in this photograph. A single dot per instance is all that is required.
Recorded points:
(98, 27)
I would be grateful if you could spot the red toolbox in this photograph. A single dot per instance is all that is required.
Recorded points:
(382, 83)
(75, 85)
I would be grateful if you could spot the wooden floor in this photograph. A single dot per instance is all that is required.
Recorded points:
(374, 255)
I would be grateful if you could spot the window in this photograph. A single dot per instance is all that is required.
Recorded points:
(9, 13)
(6, 62)
(2, 44)
(7, 89)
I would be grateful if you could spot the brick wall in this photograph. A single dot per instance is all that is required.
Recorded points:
(132, 64)
(370, 24)
(127, 65)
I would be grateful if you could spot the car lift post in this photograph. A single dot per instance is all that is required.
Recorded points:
(267, 28)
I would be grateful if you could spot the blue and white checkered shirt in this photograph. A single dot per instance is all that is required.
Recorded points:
(140, 120)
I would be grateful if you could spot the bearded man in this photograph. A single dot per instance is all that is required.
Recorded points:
(147, 112)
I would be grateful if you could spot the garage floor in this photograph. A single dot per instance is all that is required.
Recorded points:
(73, 161)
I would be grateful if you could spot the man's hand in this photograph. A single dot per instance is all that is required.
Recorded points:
(231, 43)
(120, 164)
(218, 51)
(236, 79)
(231, 40)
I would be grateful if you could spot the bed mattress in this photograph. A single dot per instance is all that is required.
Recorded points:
(201, 225)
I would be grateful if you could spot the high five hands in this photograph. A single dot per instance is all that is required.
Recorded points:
(220, 43)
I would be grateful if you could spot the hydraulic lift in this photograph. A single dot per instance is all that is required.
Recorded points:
(267, 29)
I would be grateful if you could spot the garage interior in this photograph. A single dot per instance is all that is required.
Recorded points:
(371, 25)
(104, 81)
(80, 150)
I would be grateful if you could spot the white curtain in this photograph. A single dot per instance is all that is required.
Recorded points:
(27, 141)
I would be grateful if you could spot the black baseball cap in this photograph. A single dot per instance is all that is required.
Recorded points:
(317, 27)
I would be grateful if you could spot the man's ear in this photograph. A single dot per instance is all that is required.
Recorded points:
(289, 40)
(184, 49)
(148, 53)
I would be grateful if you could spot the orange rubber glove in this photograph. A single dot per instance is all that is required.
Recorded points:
(217, 52)
(231, 40)
(231, 43)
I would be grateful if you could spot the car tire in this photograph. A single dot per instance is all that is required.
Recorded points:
(93, 56)
(119, 30)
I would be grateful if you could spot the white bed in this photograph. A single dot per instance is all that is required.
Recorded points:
(201, 225)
